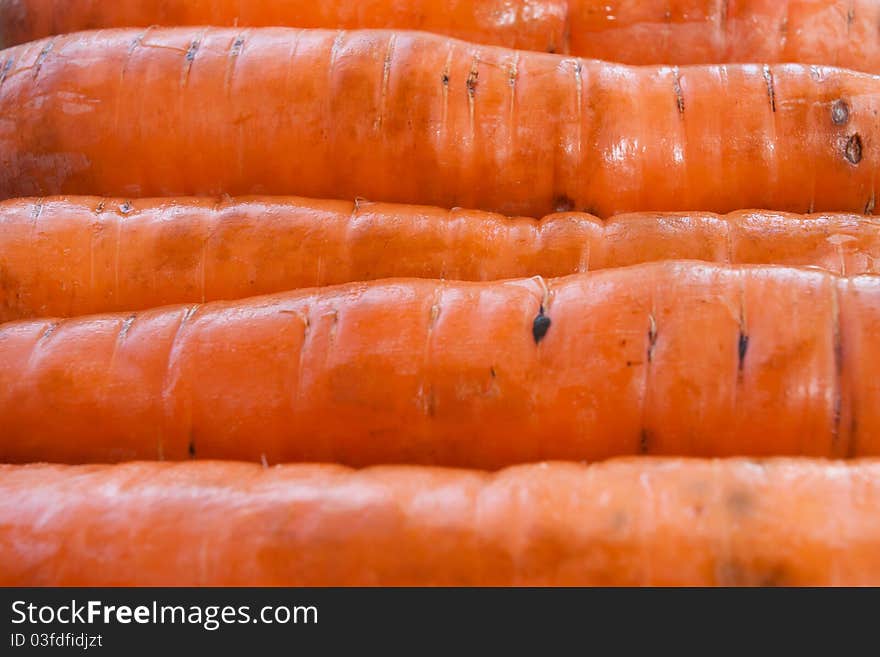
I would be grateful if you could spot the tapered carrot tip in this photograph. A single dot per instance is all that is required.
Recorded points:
(632, 522)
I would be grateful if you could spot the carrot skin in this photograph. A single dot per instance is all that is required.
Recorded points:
(837, 32)
(63, 257)
(672, 358)
(660, 522)
(417, 118)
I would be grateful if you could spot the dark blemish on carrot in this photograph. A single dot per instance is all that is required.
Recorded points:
(563, 203)
(839, 112)
(5, 70)
(740, 502)
(126, 325)
(771, 91)
(444, 79)
(851, 449)
(492, 372)
(676, 87)
(838, 370)
(125, 208)
(869, 206)
(236, 46)
(551, 49)
(734, 573)
(100, 208)
(644, 441)
(191, 448)
(850, 16)
(853, 150)
(42, 57)
(193, 49)
(472, 82)
(540, 326)
(742, 349)
(50, 330)
(652, 338)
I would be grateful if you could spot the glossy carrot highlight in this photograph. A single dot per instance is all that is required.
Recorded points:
(84, 255)
(417, 118)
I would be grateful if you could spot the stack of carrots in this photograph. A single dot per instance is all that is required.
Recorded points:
(250, 336)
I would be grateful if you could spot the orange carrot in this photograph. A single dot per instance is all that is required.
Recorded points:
(839, 32)
(417, 118)
(76, 256)
(631, 522)
(675, 358)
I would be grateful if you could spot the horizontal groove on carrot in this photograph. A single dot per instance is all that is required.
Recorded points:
(674, 358)
(626, 522)
(643, 32)
(83, 255)
(418, 118)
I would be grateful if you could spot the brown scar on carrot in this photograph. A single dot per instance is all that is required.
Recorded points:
(652, 337)
(853, 150)
(837, 337)
(839, 112)
(733, 573)
(540, 325)
(740, 502)
(37, 212)
(192, 50)
(771, 91)
(563, 203)
(42, 56)
(472, 81)
(742, 349)
(676, 87)
(126, 326)
(5, 70)
(53, 326)
(644, 441)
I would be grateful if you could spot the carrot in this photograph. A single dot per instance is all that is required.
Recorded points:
(839, 32)
(675, 358)
(628, 522)
(417, 118)
(76, 256)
